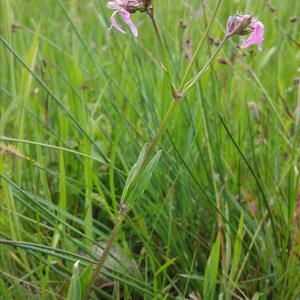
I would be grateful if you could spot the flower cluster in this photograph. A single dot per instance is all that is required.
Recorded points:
(236, 25)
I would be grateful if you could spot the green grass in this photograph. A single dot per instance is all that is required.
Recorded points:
(77, 104)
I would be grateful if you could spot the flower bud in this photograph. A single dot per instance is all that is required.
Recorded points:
(147, 3)
(138, 5)
(239, 24)
(135, 5)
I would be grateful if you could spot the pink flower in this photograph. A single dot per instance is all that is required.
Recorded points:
(245, 24)
(124, 8)
(256, 37)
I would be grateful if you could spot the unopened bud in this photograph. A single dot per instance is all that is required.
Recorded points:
(240, 25)
(147, 2)
(122, 209)
(138, 5)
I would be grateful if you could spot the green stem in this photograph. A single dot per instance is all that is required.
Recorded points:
(143, 165)
(155, 140)
(162, 47)
(193, 81)
(122, 211)
(177, 94)
(199, 47)
(106, 250)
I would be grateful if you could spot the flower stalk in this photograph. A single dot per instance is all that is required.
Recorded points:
(237, 25)
(176, 96)
(199, 47)
(196, 78)
(123, 208)
(162, 47)
(106, 250)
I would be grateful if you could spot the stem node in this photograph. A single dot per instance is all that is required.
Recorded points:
(177, 95)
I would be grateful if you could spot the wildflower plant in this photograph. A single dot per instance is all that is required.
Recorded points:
(140, 173)
(103, 100)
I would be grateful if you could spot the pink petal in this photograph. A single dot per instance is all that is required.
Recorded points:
(230, 26)
(116, 4)
(128, 21)
(115, 24)
(120, 7)
(256, 37)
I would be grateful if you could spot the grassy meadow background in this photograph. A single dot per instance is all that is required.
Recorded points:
(77, 104)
